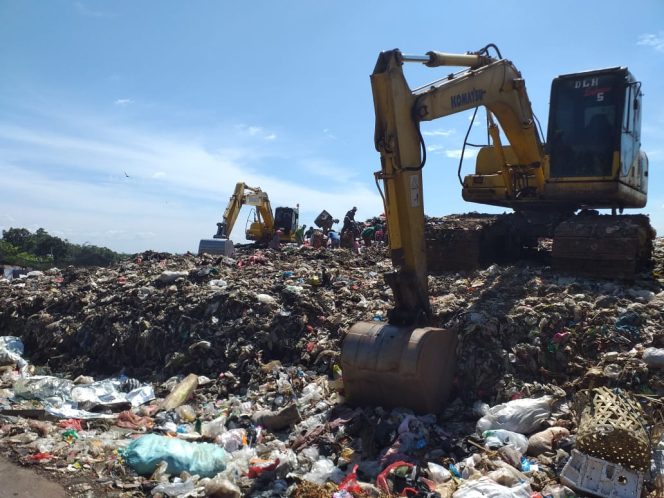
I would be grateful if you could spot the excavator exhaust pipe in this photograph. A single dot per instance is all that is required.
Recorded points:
(389, 365)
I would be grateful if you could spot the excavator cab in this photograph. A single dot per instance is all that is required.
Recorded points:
(593, 140)
(286, 219)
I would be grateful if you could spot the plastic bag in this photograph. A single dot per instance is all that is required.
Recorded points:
(544, 441)
(438, 473)
(654, 357)
(43, 387)
(485, 487)
(349, 483)
(175, 488)
(11, 351)
(381, 480)
(500, 437)
(524, 416)
(220, 486)
(214, 428)
(204, 459)
(323, 470)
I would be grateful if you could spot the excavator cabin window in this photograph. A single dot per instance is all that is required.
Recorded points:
(584, 124)
(285, 219)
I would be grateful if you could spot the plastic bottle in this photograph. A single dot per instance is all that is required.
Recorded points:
(500, 437)
(180, 393)
(186, 413)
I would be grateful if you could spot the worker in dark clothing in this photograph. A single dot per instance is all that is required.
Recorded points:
(349, 220)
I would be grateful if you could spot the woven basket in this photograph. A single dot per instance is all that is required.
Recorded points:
(612, 427)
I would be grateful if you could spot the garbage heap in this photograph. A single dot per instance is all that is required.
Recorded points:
(209, 376)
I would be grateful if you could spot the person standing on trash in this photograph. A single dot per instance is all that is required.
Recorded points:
(275, 243)
(317, 239)
(380, 232)
(299, 235)
(309, 233)
(349, 220)
(335, 240)
(368, 235)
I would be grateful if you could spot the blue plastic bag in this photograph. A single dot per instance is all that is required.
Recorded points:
(204, 459)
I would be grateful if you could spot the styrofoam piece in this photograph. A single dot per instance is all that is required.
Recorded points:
(601, 478)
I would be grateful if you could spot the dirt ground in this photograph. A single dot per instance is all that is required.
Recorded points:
(20, 482)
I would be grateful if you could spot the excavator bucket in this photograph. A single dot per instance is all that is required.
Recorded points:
(388, 365)
(216, 246)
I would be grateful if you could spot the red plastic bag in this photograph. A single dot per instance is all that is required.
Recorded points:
(381, 480)
(70, 423)
(256, 470)
(38, 457)
(350, 482)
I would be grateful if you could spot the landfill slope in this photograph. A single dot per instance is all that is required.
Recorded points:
(264, 330)
(107, 320)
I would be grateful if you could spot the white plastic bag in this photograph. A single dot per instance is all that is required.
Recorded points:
(485, 487)
(654, 357)
(11, 351)
(500, 437)
(323, 470)
(438, 473)
(524, 416)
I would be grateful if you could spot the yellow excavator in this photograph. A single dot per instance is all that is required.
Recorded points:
(591, 160)
(263, 227)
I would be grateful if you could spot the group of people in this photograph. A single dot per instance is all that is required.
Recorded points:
(350, 236)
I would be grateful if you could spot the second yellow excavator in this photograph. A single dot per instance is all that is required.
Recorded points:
(591, 160)
(261, 229)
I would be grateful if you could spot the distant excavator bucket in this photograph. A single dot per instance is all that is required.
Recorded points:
(216, 246)
(388, 365)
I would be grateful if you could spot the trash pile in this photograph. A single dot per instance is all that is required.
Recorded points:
(210, 376)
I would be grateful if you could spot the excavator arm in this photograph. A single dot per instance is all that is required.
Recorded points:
(493, 83)
(403, 362)
(253, 196)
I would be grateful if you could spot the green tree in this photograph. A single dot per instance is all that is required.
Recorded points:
(18, 237)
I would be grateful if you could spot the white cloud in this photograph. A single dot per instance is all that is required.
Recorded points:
(329, 134)
(328, 170)
(123, 102)
(257, 131)
(652, 40)
(87, 11)
(433, 148)
(456, 153)
(439, 133)
(72, 182)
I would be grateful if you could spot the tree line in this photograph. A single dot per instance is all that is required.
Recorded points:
(41, 250)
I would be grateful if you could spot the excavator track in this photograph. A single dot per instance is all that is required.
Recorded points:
(465, 242)
(603, 246)
(591, 245)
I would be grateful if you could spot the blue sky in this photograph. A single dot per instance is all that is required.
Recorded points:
(188, 98)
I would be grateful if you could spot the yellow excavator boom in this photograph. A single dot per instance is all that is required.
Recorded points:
(404, 362)
(261, 229)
